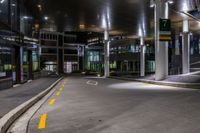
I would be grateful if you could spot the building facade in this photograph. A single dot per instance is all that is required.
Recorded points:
(125, 56)
(19, 58)
(60, 53)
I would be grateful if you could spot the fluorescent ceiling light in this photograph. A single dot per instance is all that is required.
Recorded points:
(170, 1)
(2, 1)
(152, 3)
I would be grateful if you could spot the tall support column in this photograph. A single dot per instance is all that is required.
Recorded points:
(161, 53)
(106, 54)
(142, 57)
(186, 47)
(177, 46)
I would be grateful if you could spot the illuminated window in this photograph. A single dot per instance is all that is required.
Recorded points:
(35, 59)
(5, 60)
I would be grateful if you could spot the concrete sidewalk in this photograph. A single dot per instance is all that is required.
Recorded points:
(186, 81)
(13, 97)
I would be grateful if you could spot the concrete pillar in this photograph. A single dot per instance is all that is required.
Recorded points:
(127, 63)
(185, 48)
(177, 47)
(78, 57)
(142, 57)
(106, 54)
(21, 65)
(161, 53)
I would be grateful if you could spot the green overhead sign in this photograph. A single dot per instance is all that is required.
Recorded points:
(165, 25)
(165, 30)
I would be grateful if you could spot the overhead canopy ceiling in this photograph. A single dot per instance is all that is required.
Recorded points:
(125, 16)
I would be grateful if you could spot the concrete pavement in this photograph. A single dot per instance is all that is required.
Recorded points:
(191, 80)
(91, 105)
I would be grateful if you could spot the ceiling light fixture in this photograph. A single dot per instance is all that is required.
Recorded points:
(170, 1)
(46, 18)
(152, 3)
(2, 1)
(25, 17)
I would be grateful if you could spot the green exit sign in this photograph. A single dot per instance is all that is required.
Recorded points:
(165, 25)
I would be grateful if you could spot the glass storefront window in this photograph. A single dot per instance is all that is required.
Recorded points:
(35, 59)
(113, 65)
(93, 61)
(134, 48)
(93, 56)
(25, 64)
(5, 60)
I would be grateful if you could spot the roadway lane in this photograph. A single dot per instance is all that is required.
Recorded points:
(13, 97)
(87, 105)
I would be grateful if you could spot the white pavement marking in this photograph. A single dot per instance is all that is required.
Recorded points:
(90, 82)
(17, 85)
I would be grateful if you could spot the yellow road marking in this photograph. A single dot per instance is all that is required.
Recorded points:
(52, 101)
(58, 93)
(63, 85)
(42, 123)
(61, 89)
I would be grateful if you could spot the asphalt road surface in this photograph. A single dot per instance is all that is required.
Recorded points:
(13, 97)
(97, 105)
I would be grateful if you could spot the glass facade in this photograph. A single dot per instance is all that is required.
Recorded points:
(94, 61)
(125, 57)
(51, 66)
(25, 65)
(5, 60)
(35, 59)
(19, 55)
(93, 56)
(9, 13)
(4, 11)
(14, 15)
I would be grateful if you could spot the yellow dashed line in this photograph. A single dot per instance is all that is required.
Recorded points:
(63, 85)
(52, 101)
(58, 93)
(61, 89)
(42, 123)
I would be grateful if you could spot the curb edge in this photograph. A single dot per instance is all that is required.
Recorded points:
(7, 120)
(184, 85)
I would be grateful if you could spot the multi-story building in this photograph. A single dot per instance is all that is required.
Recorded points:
(60, 53)
(125, 56)
(19, 60)
(71, 51)
(85, 51)
(93, 43)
